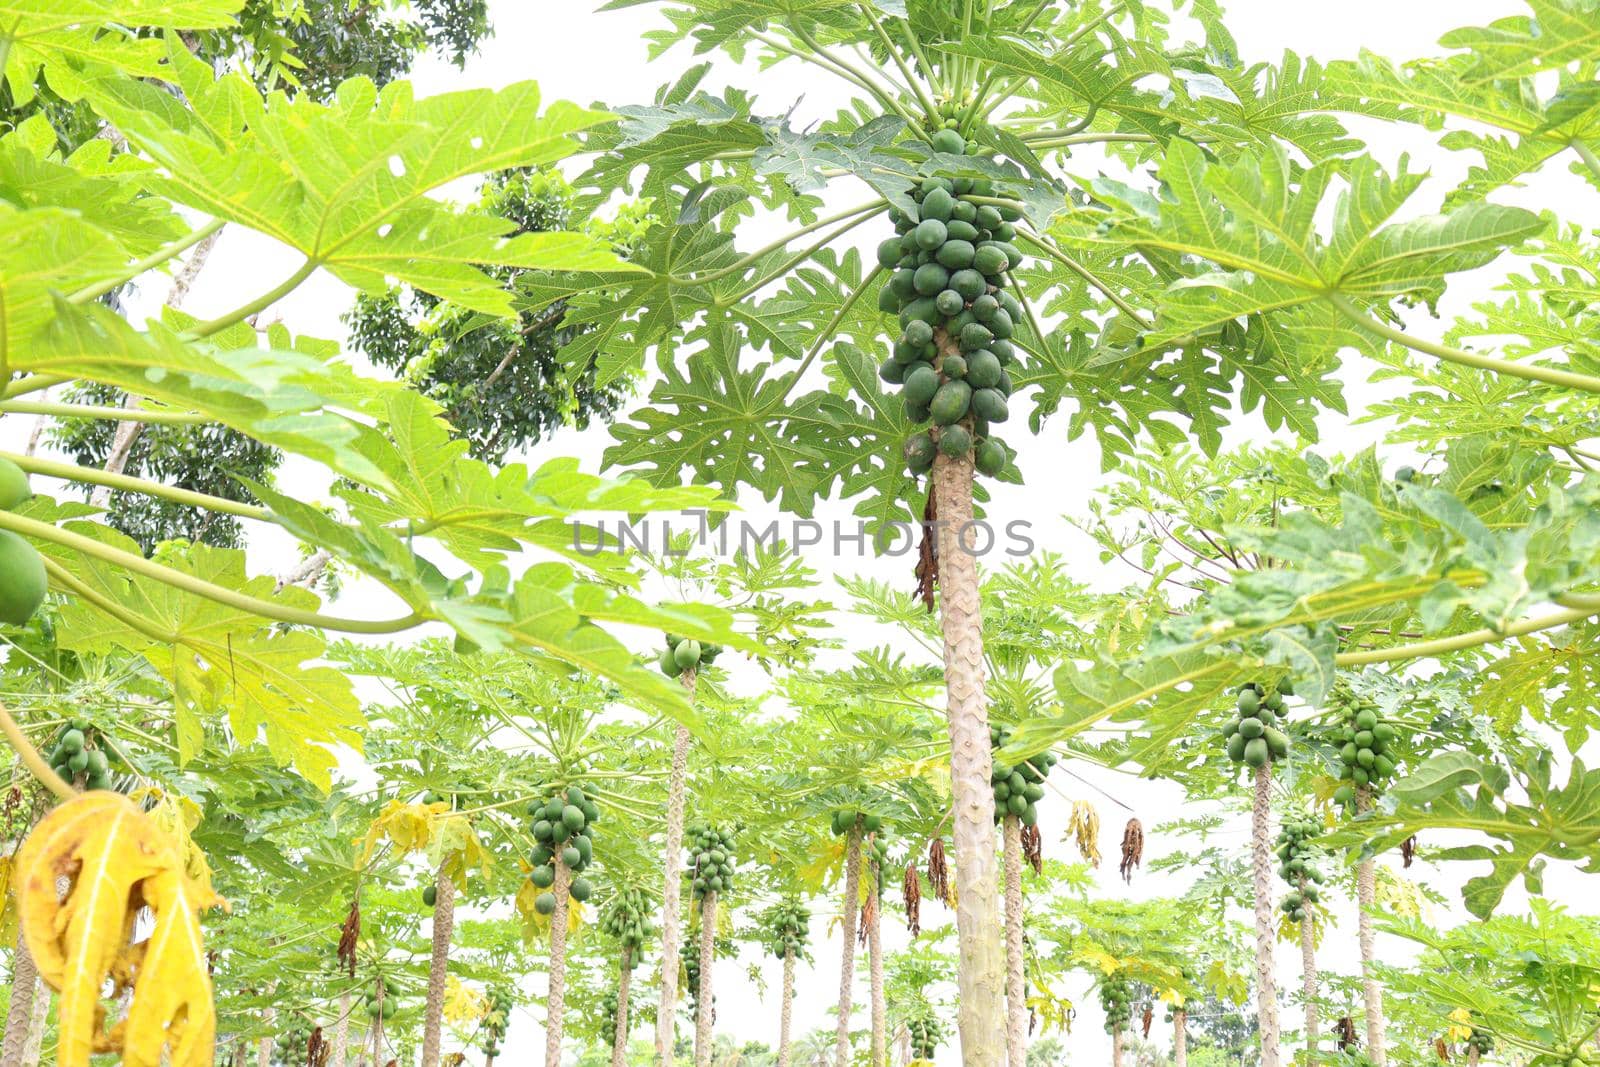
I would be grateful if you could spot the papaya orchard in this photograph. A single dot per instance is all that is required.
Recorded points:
(354, 721)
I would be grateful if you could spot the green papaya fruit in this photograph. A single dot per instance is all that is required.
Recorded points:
(949, 142)
(545, 903)
(990, 406)
(23, 582)
(571, 856)
(580, 889)
(1236, 745)
(955, 441)
(969, 283)
(954, 367)
(930, 234)
(430, 895)
(669, 664)
(687, 654)
(920, 451)
(956, 254)
(921, 386)
(889, 253)
(1256, 753)
(957, 230)
(990, 457)
(543, 877)
(950, 403)
(975, 335)
(572, 818)
(938, 204)
(14, 487)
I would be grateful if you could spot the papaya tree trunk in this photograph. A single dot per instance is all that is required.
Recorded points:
(1016, 987)
(787, 1011)
(847, 958)
(1180, 1038)
(341, 1033)
(1473, 1056)
(1116, 1048)
(24, 990)
(619, 1047)
(705, 1019)
(880, 1008)
(667, 1008)
(556, 998)
(1308, 973)
(265, 1045)
(1366, 900)
(38, 1023)
(1266, 930)
(979, 975)
(444, 924)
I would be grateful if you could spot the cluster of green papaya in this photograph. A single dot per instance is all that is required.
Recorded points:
(927, 1033)
(1017, 790)
(710, 859)
(878, 851)
(949, 264)
(788, 928)
(627, 918)
(1481, 1040)
(845, 819)
(1254, 738)
(691, 973)
(381, 1001)
(1116, 1000)
(610, 1006)
(23, 582)
(80, 756)
(496, 1021)
(564, 822)
(1365, 744)
(1297, 864)
(686, 654)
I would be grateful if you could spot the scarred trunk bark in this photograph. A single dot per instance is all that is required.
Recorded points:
(341, 1033)
(980, 974)
(556, 999)
(1266, 930)
(1016, 987)
(666, 1009)
(24, 990)
(880, 1008)
(847, 959)
(619, 1047)
(1180, 1038)
(705, 1020)
(1116, 1049)
(444, 922)
(1473, 1056)
(1308, 972)
(1366, 900)
(784, 1016)
(38, 1022)
(265, 1045)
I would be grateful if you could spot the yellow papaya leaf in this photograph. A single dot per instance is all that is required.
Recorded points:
(172, 1002)
(8, 902)
(117, 860)
(1460, 1024)
(409, 826)
(456, 846)
(105, 847)
(462, 1003)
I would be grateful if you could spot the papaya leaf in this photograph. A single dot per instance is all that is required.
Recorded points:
(347, 183)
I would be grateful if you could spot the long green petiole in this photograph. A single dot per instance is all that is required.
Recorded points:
(774, 246)
(256, 306)
(109, 414)
(137, 564)
(94, 476)
(795, 260)
(928, 105)
(1549, 376)
(838, 317)
(161, 255)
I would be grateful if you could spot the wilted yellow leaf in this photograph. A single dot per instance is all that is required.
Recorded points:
(409, 826)
(117, 860)
(462, 1003)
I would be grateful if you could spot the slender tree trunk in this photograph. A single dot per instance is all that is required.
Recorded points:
(980, 973)
(24, 991)
(341, 1034)
(126, 434)
(265, 1045)
(705, 1019)
(1308, 973)
(1180, 1038)
(37, 1024)
(666, 1010)
(238, 1052)
(1266, 929)
(1116, 1048)
(847, 959)
(39, 426)
(556, 1000)
(444, 922)
(880, 1009)
(619, 1047)
(1016, 988)
(784, 1016)
(1473, 1056)
(1366, 900)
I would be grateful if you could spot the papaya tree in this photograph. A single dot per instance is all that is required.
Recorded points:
(787, 926)
(976, 107)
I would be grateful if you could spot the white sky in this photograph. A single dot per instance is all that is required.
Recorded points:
(587, 57)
